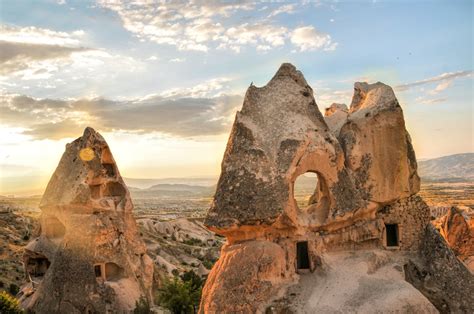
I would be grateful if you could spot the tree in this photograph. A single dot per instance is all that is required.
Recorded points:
(180, 297)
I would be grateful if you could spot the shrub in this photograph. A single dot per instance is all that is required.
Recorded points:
(180, 296)
(142, 306)
(8, 304)
(13, 289)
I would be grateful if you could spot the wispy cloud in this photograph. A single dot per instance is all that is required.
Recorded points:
(445, 80)
(287, 8)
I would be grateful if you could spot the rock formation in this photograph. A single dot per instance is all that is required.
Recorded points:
(440, 276)
(89, 257)
(457, 228)
(365, 197)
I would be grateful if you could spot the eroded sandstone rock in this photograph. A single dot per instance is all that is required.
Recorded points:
(89, 257)
(457, 228)
(278, 135)
(377, 146)
(365, 196)
(440, 276)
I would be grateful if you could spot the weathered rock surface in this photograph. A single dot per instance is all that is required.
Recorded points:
(245, 277)
(440, 276)
(457, 228)
(278, 135)
(89, 256)
(335, 117)
(377, 147)
(369, 281)
(365, 198)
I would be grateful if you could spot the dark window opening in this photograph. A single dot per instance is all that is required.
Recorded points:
(109, 170)
(37, 266)
(302, 256)
(391, 234)
(98, 271)
(114, 189)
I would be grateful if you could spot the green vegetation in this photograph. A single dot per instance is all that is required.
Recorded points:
(13, 289)
(181, 294)
(194, 241)
(142, 306)
(8, 304)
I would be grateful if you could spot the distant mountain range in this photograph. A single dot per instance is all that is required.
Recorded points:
(453, 168)
(172, 190)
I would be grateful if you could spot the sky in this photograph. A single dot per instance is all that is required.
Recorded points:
(161, 81)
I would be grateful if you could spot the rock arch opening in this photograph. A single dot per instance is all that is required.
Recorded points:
(311, 194)
(304, 188)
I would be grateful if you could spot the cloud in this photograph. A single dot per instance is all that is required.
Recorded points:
(36, 35)
(205, 25)
(445, 80)
(430, 101)
(16, 57)
(33, 52)
(178, 60)
(185, 114)
(307, 38)
(288, 9)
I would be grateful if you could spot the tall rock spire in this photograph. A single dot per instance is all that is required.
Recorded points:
(89, 256)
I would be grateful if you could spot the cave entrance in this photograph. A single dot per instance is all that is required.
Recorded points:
(37, 266)
(391, 234)
(302, 256)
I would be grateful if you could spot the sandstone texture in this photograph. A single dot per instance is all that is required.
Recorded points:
(440, 276)
(89, 257)
(457, 228)
(365, 198)
(377, 147)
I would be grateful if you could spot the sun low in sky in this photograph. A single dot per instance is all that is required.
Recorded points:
(162, 81)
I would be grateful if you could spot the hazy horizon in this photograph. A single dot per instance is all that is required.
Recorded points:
(162, 83)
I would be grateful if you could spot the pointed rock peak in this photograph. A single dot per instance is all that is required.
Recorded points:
(288, 70)
(372, 95)
(87, 175)
(335, 108)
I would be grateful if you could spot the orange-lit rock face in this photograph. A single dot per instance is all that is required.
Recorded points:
(89, 256)
(458, 230)
(364, 197)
